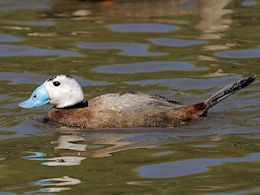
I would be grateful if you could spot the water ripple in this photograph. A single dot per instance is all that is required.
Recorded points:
(128, 49)
(143, 27)
(9, 38)
(25, 50)
(35, 78)
(146, 67)
(175, 42)
(56, 161)
(182, 168)
(25, 5)
(188, 84)
(248, 3)
(66, 142)
(239, 54)
(60, 181)
(44, 23)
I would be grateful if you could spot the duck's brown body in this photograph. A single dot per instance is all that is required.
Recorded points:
(127, 110)
(116, 110)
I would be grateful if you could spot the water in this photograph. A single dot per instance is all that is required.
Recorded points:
(184, 50)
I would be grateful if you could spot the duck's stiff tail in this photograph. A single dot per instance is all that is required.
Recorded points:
(228, 91)
(193, 111)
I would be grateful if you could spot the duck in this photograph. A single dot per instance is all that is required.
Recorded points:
(119, 110)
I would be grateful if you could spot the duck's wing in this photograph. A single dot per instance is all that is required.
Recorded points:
(131, 100)
(163, 98)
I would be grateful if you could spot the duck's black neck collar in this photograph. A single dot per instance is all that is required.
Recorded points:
(82, 104)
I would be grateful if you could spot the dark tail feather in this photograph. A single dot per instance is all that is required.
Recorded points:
(229, 90)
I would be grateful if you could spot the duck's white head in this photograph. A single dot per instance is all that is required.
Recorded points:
(61, 91)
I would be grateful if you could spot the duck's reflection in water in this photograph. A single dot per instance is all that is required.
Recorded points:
(61, 181)
(63, 143)
(70, 148)
(66, 142)
(56, 161)
(95, 144)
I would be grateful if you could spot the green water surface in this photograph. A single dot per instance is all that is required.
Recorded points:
(185, 50)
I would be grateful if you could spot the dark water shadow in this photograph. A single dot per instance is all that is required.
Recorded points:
(189, 84)
(43, 23)
(176, 42)
(145, 67)
(24, 5)
(26, 128)
(143, 27)
(35, 78)
(25, 50)
(239, 54)
(241, 192)
(248, 3)
(128, 49)
(9, 38)
(7, 193)
(183, 168)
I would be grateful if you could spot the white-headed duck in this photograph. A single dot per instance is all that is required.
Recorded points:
(118, 110)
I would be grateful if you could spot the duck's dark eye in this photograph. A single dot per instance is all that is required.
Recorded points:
(35, 96)
(56, 83)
